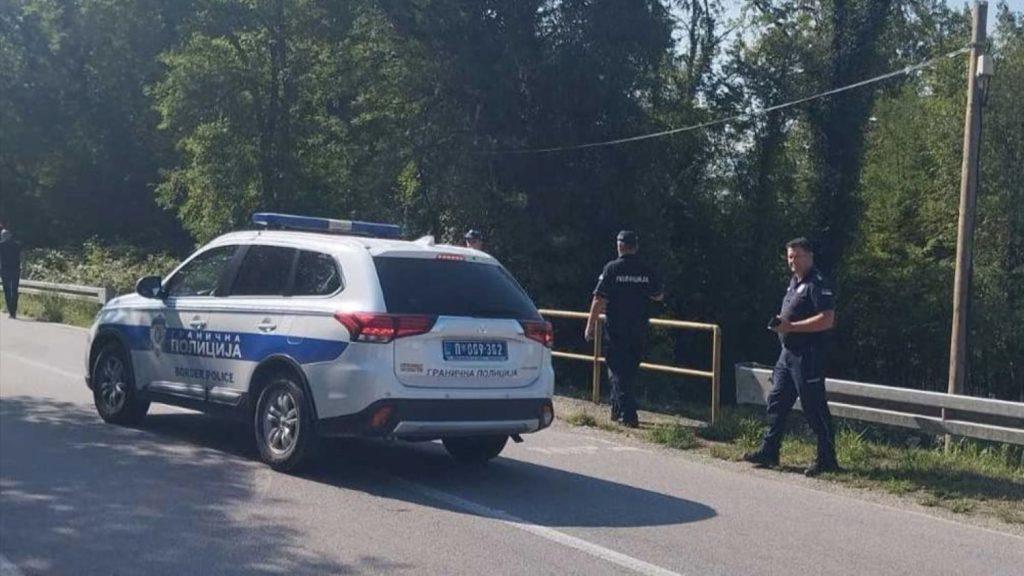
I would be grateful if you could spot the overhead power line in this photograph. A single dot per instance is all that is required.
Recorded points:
(901, 72)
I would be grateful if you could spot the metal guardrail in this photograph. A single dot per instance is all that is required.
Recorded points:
(101, 295)
(753, 383)
(715, 374)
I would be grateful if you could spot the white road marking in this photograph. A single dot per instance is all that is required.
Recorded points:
(606, 554)
(44, 366)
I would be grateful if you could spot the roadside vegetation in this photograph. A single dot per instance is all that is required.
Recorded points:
(56, 309)
(92, 264)
(96, 264)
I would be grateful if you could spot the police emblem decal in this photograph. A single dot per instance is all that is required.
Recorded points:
(157, 331)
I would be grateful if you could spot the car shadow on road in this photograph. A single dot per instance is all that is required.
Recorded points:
(506, 487)
(414, 472)
(172, 494)
(78, 496)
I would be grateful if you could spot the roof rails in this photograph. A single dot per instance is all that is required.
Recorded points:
(276, 221)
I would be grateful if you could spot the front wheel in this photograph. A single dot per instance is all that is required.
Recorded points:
(113, 388)
(284, 425)
(474, 449)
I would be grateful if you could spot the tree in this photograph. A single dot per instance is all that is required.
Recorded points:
(78, 154)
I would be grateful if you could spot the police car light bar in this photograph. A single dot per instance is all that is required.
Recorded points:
(327, 225)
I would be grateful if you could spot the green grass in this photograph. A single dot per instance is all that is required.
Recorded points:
(581, 419)
(734, 424)
(674, 436)
(587, 420)
(47, 308)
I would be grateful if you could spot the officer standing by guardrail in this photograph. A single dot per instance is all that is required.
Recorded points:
(623, 291)
(806, 316)
(10, 269)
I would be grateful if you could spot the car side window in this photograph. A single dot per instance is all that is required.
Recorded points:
(201, 276)
(316, 274)
(265, 271)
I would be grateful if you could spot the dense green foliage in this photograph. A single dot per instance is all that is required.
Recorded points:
(166, 122)
(93, 264)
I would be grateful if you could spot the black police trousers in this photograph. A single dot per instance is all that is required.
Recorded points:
(799, 374)
(624, 354)
(11, 294)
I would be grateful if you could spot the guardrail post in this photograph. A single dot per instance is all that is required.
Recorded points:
(595, 385)
(716, 380)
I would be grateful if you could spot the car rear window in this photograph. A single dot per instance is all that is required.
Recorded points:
(451, 288)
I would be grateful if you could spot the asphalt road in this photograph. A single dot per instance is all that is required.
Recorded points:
(184, 494)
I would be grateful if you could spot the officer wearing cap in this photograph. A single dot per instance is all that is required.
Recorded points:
(474, 239)
(623, 291)
(806, 317)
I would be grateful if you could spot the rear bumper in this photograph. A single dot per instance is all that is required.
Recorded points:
(429, 419)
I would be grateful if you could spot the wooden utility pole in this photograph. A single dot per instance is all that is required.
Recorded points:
(968, 203)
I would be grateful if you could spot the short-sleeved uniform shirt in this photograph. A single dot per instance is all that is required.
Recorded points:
(628, 285)
(804, 299)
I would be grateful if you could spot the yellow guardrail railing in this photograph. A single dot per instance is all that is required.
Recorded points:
(715, 375)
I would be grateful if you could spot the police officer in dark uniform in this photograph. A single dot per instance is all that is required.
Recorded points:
(10, 269)
(623, 292)
(803, 324)
(474, 239)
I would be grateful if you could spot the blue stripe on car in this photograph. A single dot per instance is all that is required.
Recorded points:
(230, 345)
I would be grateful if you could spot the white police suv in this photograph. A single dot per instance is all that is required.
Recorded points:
(313, 327)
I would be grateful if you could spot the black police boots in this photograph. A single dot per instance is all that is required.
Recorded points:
(762, 458)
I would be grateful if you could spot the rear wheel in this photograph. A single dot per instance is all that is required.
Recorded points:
(113, 387)
(284, 425)
(474, 449)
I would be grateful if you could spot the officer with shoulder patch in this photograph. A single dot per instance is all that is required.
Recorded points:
(623, 292)
(807, 315)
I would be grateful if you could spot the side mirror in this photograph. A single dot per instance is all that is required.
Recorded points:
(149, 287)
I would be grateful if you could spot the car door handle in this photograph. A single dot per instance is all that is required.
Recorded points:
(197, 324)
(266, 326)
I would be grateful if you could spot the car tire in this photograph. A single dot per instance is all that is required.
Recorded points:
(474, 449)
(113, 387)
(283, 425)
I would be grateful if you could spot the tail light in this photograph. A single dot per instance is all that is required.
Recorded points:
(383, 328)
(540, 331)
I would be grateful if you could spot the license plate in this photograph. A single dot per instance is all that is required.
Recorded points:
(493, 350)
